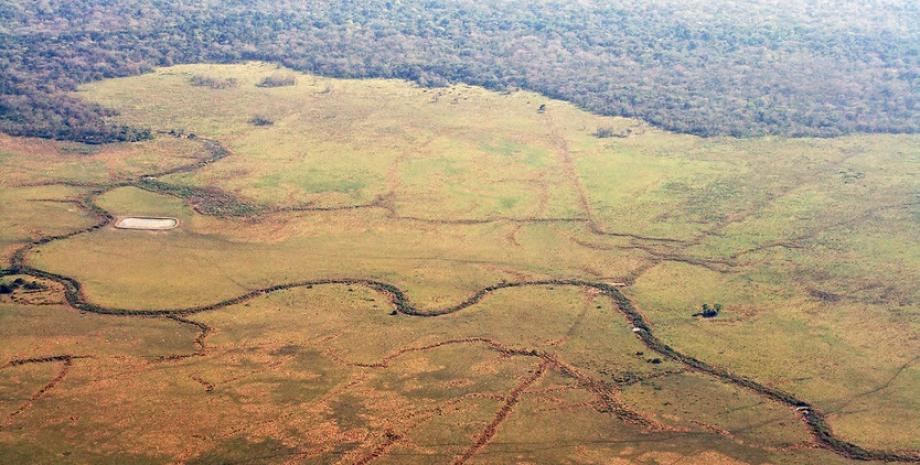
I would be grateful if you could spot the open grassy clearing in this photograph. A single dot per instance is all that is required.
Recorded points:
(809, 244)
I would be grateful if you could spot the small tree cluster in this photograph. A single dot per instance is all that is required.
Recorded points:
(709, 312)
(8, 288)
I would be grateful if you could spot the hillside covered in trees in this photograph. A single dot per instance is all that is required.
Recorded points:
(739, 68)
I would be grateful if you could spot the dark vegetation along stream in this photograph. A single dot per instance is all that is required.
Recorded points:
(811, 416)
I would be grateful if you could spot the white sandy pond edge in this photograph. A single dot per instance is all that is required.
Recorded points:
(149, 223)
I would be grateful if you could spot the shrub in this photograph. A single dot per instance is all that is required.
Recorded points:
(607, 132)
(277, 80)
(603, 133)
(260, 121)
(214, 83)
(34, 286)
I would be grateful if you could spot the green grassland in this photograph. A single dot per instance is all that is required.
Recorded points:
(811, 246)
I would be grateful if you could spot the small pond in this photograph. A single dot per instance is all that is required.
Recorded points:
(152, 223)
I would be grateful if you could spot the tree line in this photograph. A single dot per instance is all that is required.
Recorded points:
(742, 68)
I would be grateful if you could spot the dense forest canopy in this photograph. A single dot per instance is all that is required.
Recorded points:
(739, 68)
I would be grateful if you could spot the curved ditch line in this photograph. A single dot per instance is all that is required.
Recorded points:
(813, 418)
(203, 332)
(103, 217)
(216, 149)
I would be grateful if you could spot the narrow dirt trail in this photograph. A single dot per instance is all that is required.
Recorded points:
(812, 417)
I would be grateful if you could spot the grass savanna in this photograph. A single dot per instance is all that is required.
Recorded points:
(282, 322)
